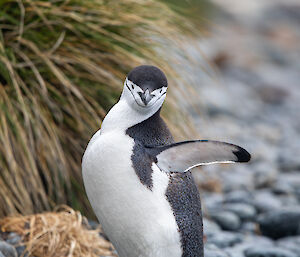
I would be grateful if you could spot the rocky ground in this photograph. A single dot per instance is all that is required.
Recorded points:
(253, 209)
(9, 245)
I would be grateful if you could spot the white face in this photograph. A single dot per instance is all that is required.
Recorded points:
(138, 98)
(134, 106)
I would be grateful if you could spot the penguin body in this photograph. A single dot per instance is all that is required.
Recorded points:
(138, 179)
(138, 221)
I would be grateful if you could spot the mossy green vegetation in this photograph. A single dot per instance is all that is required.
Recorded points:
(62, 65)
(196, 11)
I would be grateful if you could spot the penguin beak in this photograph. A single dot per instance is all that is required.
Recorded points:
(145, 96)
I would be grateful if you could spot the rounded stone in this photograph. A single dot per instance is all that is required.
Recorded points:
(290, 243)
(259, 240)
(249, 227)
(242, 210)
(288, 201)
(264, 251)
(281, 187)
(210, 227)
(264, 175)
(238, 196)
(288, 161)
(93, 224)
(7, 249)
(264, 201)
(225, 239)
(280, 223)
(21, 250)
(226, 220)
(212, 201)
(13, 238)
(214, 252)
(249, 241)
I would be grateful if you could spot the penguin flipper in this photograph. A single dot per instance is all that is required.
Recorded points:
(183, 156)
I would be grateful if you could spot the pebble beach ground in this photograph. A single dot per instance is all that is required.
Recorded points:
(250, 210)
(253, 210)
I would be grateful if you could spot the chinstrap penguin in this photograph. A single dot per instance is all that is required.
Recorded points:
(138, 179)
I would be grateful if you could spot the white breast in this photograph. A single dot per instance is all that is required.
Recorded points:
(138, 221)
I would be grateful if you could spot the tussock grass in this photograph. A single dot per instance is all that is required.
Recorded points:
(62, 65)
(196, 11)
(61, 233)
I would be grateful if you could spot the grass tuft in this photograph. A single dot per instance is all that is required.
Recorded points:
(62, 66)
(61, 233)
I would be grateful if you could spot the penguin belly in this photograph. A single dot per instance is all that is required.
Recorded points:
(138, 221)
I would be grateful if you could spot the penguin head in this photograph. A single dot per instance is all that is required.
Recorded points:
(145, 87)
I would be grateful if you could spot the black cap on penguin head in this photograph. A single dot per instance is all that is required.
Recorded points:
(148, 77)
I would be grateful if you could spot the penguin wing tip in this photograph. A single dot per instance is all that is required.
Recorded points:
(242, 155)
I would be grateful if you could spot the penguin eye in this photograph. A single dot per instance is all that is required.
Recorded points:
(160, 91)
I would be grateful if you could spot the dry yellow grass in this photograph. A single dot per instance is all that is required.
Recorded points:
(61, 233)
(62, 66)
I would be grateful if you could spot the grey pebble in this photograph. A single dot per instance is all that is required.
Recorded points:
(238, 196)
(281, 187)
(242, 179)
(242, 210)
(263, 251)
(258, 239)
(239, 249)
(265, 201)
(7, 250)
(226, 220)
(289, 201)
(224, 239)
(20, 250)
(210, 227)
(290, 243)
(249, 227)
(297, 194)
(212, 201)
(213, 251)
(93, 224)
(264, 175)
(249, 241)
(280, 223)
(13, 238)
(288, 160)
(290, 178)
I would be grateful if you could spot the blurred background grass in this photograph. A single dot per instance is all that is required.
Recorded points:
(62, 66)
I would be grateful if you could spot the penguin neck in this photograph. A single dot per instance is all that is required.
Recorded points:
(122, 116)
